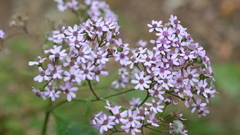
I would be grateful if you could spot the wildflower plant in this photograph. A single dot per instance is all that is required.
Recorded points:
(171, 70)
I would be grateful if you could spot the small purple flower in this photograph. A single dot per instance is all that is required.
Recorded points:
(43, 75)
(1, 34)
(101, 56)
(106, 123)
(73, 75)
(74, 31)
(59, 34)
(37, 61)
(86, 71)
(152, 120)
(155, 106)
(142, 82)
(131, 129)
(39, 93)
(51, 92)
(135, 102)
(69, 90)
(155, 25)
(191, 76)
(99, 71)
(120, 82)
(84, 55)
(166, 81)
(56, 53)
(122, 57)
(55, 71)
(142, 43)
(202, 88)
(198, 105)
(157, 92)
(132, 119)
(112, 107)
(162, 49)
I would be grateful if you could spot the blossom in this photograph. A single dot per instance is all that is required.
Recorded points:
(106, 122)
(122, 57)
(39, 93)
(155, 25)
(120, 82)
(37, 61)
(155, 106)
(135, 102)
(198, 105)
(100, 56)
(157, 92)
(132, 119)
(86, 72)
(152, 120)
(202, 88)
(114, 108)
(142, 43)
(74, 31)
(56, 53)
(69, 90)
(73, 75)
(166, 81)
(55, 71)
(99, 71)
(1, 34)
(191, 75)
(131, 129)
(142, 82)
(84, 55)
(51, 92)
(43, 75)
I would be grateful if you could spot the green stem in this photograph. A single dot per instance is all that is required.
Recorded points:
(47, 113)
(85, 100)
(90, 86)
(45, 123)
(118, 93)
(144, 99)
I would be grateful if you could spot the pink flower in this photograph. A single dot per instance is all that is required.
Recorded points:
(43, 75)
(1, 34)
(105, 122)
(37, 61)
(142, 82)
(152, 120)
(69, 90)
(155, 106)
(39, 93)
(73, 75)
(155, 25)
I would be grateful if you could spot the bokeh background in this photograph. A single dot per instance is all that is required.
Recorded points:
(215, 24)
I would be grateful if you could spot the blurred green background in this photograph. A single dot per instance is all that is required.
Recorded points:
(214, 24)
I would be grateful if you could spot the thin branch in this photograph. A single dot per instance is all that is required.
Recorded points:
(146, 98)
(90, 86)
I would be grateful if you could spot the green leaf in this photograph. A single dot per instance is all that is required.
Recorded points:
(68, 127)
(88, 106)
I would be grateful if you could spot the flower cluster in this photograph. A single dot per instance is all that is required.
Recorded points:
(95, 8)
(67, 4)
(175, 70)
(89, 47)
